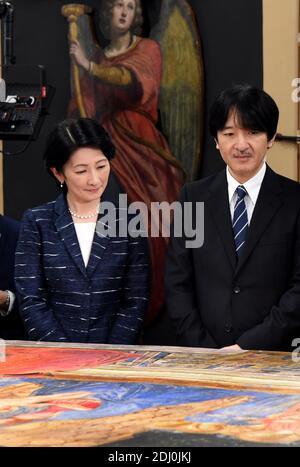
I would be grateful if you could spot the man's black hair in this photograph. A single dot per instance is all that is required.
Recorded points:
(253, 107)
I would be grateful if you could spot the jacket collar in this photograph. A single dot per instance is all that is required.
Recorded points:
(218, 205)
(268, 202)
(67, 232)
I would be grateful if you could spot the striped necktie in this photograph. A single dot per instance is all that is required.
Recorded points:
(240, 220)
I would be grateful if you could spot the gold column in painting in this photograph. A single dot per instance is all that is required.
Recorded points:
(72, 12)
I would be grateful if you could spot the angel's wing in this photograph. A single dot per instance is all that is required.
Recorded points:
(182, 87)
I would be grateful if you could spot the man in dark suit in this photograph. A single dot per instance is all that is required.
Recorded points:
(11, 326)
(241, 288)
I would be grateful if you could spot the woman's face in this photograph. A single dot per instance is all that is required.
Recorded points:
(85, 174)
(123, 14)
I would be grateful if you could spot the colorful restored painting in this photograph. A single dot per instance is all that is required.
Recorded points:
(98, 395)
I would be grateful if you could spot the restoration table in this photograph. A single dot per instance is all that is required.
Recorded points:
(104, 395)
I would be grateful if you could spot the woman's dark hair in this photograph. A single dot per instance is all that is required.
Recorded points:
(106, 14)
(72, 134)
(254, 108)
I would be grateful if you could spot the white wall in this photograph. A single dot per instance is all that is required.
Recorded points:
(280, 51)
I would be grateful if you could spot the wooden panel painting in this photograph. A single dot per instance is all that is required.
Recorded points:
(259, 370)
(24, 360)
(47, 412)
(99, 395)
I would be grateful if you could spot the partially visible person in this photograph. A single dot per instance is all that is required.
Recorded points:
(79, 284)
(241, 289)
(11, 326)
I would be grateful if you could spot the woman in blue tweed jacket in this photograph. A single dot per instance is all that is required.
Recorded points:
(78, 279)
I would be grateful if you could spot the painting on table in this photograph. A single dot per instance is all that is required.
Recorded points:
(98, 395)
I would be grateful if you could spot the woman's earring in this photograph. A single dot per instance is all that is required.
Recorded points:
(61, 184)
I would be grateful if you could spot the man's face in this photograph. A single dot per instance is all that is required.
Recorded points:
(243, 150)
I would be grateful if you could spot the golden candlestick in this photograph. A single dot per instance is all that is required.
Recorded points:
(72, 12)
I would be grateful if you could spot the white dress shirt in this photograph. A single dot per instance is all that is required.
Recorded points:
(252, 186)
(85, 234)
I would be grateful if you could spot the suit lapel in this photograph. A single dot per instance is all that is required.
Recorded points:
(218, 205)
(67, 232)
(100, 247)
(2, 237)
(268, 202)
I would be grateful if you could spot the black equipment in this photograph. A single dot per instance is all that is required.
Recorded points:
(25, 96)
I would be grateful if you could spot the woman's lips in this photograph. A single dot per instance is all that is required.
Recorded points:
(94, 190)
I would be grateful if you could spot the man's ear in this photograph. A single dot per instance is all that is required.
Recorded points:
(271, 142)
(217, 144)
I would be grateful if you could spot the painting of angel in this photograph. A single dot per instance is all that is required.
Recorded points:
(147, 92)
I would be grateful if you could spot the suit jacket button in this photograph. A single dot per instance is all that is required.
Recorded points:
(228, 329)
(236, 289)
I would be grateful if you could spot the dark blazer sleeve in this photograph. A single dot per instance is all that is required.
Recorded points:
(180, 292)
(130, 317)
(11, 239)
(282, 324)
(39, 320)
(11, 326)
(9, 232)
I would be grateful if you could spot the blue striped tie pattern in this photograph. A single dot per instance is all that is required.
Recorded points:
(240, 220)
